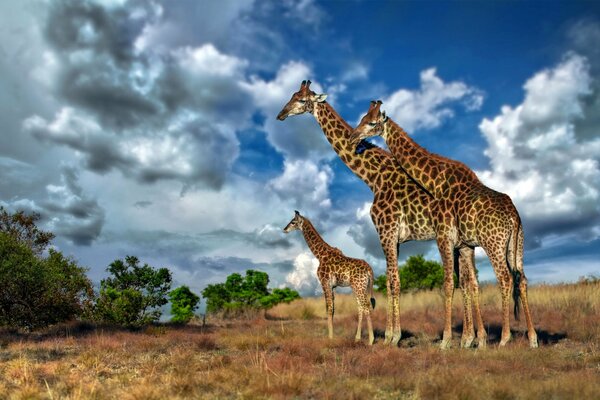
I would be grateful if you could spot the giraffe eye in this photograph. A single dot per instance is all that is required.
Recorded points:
(301, 101)
(372, 123)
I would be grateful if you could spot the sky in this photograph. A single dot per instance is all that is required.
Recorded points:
(148, 128)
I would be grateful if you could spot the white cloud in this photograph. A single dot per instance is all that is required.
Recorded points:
(298, 137)
(537, 157)
(303, 278)
(306, 185)
(429, 106)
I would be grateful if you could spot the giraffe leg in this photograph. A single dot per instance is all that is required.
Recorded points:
(328, 292)
(467, 259)
(497, 255)
(531, 334)
(370, 326)
(481, 333)
(360, 302)
(447, 253)
(393, 331)
(464, 279)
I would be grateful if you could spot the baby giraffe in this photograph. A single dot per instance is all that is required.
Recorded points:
(335, 269)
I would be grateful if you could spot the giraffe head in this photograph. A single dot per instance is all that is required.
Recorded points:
(295, 223)
(372, 124)
(303, 101)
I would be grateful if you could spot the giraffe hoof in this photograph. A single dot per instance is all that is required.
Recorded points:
(445, 345)
(482, 343)
(466, 343)
(533, 343)
(395, 340)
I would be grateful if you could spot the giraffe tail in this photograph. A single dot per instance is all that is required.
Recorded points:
(371, 281)
(515, 269)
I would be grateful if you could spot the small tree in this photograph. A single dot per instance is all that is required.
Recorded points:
(36, 292)
(133, 295)
(22, 227)
(245, 292)
(416, 273)
(183, 304)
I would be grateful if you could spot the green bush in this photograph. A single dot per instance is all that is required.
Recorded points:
(241, 293)
(183, 304)
(36, 292)
(417, 273)
(133, 295)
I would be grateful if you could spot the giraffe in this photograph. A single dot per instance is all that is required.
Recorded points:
(466, 213)
(400, 209)
(335, 269)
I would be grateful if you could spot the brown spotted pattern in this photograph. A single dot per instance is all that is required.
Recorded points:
(465, 212)
(400, 210)
(335, 269)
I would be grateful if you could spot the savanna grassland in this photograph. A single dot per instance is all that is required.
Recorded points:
(287, 355)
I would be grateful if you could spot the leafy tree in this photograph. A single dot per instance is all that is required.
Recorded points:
(36, 292)
(245, 292)
(183, 304)
(380, 283)
(22, 227)
(417, 273)
(133, 295)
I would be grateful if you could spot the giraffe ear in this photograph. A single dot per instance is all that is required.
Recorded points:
(385, 118)
(320, 98)
(296, 211)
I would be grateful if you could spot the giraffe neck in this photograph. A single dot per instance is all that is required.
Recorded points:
(414, 159)
(338, 133)
(315, 242)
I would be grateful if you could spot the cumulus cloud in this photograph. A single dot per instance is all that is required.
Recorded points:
(192, 151)
(538, 158)
(298, 137)
(303, 277)
(306, 185)
(429, 106)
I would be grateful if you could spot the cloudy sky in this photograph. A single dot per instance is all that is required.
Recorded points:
(148, 128)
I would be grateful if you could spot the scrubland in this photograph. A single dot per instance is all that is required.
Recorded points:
(285, 354)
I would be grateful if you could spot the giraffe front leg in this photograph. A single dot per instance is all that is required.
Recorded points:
(328, 292)
(393, 332)
(447, 253)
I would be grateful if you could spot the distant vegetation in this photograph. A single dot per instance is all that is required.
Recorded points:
(133, 294)
(416, 273)
(41, 287)
(183, 304)
(239, 294)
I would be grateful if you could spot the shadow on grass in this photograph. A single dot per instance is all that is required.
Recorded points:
(495, 333)
(83, 329)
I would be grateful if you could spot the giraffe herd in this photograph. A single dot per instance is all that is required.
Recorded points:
(418, 195)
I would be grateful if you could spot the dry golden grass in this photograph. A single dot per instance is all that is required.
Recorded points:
(287, 355)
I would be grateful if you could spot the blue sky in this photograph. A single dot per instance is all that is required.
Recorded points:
(148, 128)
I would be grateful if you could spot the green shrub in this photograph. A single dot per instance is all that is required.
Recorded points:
(183, 304)
(36, 292)
(242, 293)
(133, 295)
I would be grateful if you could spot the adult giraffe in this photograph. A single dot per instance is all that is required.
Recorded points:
(400, 210)
(466, 214)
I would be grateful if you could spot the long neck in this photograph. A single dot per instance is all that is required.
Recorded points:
(414, 159)
(315, 242)
(338, 133)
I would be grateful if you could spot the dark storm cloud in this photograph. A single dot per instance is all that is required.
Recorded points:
(142, 204)
(153, 116)
(66, 210)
